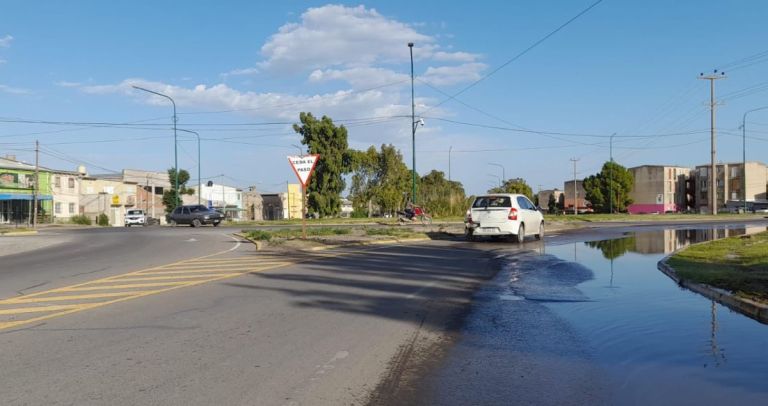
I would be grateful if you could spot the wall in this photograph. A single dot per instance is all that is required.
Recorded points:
(65, 187)
(107, 196)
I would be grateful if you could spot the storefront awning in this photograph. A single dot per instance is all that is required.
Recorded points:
(12, 196)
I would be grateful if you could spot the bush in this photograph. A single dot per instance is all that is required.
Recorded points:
(81, 219)
(103, 220)
(258, 235)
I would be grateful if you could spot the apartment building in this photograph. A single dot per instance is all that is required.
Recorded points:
(544, 197)
(580, 198)
(112, 197)
(660, 189)
(729, 179)
(17, 192)
(65, 189)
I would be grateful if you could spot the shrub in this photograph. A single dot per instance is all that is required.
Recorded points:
(103, 220)
(81, 219)
(258, 235)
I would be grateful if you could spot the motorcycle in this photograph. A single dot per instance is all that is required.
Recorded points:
(414, 215)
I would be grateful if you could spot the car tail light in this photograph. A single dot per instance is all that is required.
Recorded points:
(512, 214)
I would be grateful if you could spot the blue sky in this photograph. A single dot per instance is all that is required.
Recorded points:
(624, 67)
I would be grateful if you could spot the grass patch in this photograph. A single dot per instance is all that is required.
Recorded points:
(738, 264)
(263, 235)
(397, 232)
(15, 230)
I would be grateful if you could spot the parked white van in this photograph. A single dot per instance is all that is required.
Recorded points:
(504, 214)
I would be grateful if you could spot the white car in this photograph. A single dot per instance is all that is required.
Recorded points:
(504, 214)
(135, 217)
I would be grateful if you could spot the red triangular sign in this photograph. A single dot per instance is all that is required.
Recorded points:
(303, 166)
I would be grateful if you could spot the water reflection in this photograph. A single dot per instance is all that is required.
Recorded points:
(665, 241)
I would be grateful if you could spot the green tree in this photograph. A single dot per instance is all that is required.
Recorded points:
(614, 182)
(327, 182)
(380, 178)
(552, 203)
(516, 185)
(440, 196)
(171, 197)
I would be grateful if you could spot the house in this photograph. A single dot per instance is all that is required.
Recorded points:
(109, 196)
(660, 189)
(729, 181)
(582, 204)
(17, 192)
(226, 199)
(253, 204)
(65, 189)
(544, 197)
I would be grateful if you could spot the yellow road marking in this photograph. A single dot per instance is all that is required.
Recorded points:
(37, 309)
(160, 278)
(38, 299)
(187, 270)
(124, 286)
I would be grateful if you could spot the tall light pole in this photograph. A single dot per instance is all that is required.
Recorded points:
(503, 171)
(712, 105)
(610, 179)
(744, 153)
(497, 177)
(199, 164)
(575, 191)
(175, 145)
(413, 131)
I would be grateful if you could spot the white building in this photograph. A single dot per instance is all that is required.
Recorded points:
(65, 189)
(226, 199)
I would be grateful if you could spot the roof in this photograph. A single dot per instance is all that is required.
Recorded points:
(6, 163)
(660, 166)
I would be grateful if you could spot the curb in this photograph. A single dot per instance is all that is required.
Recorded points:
(749, 308)
(18, 233)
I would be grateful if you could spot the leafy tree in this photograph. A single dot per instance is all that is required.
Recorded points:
(598, 188)
(440, 196)
(171, 197)
(552, 203)
(380, 178)
(327, 182)
(517, 185)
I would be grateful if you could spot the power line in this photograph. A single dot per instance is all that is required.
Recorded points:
(518, 56)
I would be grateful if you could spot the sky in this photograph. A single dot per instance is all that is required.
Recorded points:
(240, 72)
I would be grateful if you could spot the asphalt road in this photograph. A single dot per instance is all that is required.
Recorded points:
(129, 316)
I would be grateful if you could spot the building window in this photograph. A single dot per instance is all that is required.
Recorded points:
(71, 208)
(57, 208)
(57, 181)
(71, 182)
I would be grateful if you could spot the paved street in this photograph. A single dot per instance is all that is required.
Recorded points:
(181, 316)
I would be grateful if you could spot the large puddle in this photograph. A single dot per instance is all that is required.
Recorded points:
(657, 343)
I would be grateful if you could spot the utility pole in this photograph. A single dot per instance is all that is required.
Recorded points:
(37, 182)
(610, 180)
(712, 104)
(575, 192)
(413, 132)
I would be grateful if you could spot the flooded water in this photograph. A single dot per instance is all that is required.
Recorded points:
(655, 342)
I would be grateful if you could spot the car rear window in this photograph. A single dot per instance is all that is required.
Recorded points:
(492, 201)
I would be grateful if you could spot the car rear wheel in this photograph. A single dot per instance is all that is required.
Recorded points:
(540, 235)
(520, 234)
(195, 223)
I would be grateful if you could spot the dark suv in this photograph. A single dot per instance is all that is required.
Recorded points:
(195, 215)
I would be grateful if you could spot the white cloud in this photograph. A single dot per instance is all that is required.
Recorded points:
(362, 77)
(452, 75)
(455, 56)
(335, 35)
(14, 90)
(241, 72)
(64, 83)
(5, 42)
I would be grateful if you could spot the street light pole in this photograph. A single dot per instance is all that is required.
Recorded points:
(503, 171)
(175, 146)
(413, 131)
(199, 164)
(744, 154)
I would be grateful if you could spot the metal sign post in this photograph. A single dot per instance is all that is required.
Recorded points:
(303, 166)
